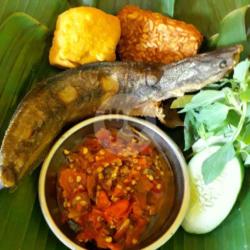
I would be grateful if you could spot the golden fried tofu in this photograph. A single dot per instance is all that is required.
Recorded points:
(84, 35)
(152, 37)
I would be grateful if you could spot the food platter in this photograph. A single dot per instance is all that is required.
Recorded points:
(22, 224)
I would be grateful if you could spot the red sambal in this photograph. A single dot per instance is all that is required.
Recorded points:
(111, 186)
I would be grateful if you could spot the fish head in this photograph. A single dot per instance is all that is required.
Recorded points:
(196, 72)
(217, 63)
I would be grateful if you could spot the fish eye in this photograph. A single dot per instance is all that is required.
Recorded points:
(223, 64)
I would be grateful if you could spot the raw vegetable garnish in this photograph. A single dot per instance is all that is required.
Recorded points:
(220, 115)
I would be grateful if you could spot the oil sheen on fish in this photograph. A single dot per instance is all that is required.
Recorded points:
(133, 88)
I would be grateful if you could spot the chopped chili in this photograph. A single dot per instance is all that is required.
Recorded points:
(111, 187)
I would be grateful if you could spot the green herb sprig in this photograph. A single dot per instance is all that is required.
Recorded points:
(220, 115)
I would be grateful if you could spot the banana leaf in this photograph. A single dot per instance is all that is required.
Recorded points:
(206, 14)
(111, 6)
(44, 11)
(22, 226)
(234, 29)
(20, 35)
(16, 63)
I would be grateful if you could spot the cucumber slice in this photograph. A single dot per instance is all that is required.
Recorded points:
(210, 204)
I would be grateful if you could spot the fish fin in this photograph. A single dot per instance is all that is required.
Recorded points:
(169, 117)
(127, 105)
(117, 104)
(160, 110)
(150, 109)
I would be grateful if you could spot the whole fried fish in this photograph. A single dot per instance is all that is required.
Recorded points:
(133, 88)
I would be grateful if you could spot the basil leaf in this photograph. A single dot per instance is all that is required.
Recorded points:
(213, 116)
(204, 98)
(231, 97)
(190, 131)
(201, 130)
(241, 72)
(214, 165)
(246, 134)
(233, 118)
(245, 95)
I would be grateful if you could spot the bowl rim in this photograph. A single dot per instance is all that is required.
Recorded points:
(186, 190)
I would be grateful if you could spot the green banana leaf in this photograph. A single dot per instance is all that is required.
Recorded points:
(44, 11)
(206, 14)
(16, 64)
(233, 29)
(22, 226)
(111, 6)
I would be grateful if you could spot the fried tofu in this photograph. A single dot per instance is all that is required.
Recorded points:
(84, 35)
